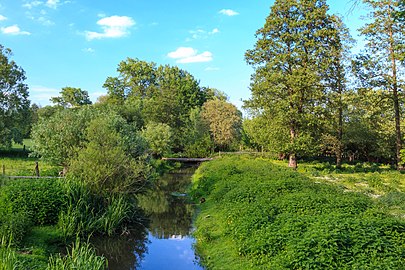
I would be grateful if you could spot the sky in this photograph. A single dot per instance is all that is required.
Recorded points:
(79, 43)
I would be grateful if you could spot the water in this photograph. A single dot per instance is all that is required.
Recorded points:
(166, 242)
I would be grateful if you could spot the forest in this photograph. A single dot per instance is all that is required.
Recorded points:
(315, 107)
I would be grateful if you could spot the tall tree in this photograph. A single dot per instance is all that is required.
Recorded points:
(14, 103)
(385, 37)
(290, 58)
(72, 97)
(163, 94)
(336, 86)
(224, 122)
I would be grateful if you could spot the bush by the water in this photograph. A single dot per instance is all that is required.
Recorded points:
(273, 218)
(28, 202)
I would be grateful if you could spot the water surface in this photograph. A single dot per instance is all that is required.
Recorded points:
(165, 242)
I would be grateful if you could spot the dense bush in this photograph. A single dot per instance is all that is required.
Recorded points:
(42, 199)
(278, 219)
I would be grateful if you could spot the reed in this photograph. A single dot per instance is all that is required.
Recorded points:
(81, 256)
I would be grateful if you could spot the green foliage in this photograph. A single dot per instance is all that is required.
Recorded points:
(8, 257)
(159, 94)
(81, 256)
(42, 199)
(159, 138)
(224, 122)
(274, 218)
(89, 213)
(291, 57)
(72, 97)
(14, 110)
(60, 137)
(104, 165)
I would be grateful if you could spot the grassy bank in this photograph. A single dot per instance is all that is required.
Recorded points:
(259, 215)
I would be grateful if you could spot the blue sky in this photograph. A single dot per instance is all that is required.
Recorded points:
(79, 43)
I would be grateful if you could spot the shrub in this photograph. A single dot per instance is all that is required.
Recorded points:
(42, 199)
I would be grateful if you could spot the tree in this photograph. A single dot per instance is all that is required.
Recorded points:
(224, 122)
(290, 58)
(336, 86)
(72, 97)
(14, 103)
(385, 37)
(158, 136)
(163, 94)
(60, 137)
(104, 164)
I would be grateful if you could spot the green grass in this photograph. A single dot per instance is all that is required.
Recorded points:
(80, 256)
(24, 166)
(258, 215)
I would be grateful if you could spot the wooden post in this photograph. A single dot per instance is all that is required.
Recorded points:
(4, 169)
(36, 169)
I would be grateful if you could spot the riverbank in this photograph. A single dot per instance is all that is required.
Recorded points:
(258, 215)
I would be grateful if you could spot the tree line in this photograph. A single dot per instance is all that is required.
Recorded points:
(311, 96)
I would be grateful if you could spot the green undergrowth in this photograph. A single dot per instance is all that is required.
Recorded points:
(259, 215)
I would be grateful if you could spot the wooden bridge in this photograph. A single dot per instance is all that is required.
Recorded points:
(186, 160)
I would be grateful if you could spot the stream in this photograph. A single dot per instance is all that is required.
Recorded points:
(166, 241)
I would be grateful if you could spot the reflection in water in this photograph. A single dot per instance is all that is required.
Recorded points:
(166, 243)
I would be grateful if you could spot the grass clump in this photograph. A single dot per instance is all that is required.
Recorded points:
(81, 256)
(258, 215)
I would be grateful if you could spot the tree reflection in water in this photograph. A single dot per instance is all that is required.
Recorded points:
(167, 215)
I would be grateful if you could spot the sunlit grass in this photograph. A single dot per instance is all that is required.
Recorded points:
(18, 166)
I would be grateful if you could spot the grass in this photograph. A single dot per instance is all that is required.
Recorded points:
(25, 166)
(81, 256)
(259, 215)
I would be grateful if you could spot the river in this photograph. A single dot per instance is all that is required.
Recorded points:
(165, 242)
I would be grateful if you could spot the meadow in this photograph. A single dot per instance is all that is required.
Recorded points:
(258, 214)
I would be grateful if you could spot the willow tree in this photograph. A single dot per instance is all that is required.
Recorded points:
(385, 37)
(290, 58)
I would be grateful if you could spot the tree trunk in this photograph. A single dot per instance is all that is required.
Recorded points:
(292, 161)
(398, 142)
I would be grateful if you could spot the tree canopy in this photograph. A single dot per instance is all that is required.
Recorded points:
(14, 103)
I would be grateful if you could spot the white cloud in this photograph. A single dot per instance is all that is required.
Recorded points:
(212, 69)
(228, 12)
(41, 94)
(52, 3)
(88, 50)
(32, 4)
(201, 34)
(45, 21)
(2, 18)
(185, 55)
(113, 27)
(14, 30)
(214, 31)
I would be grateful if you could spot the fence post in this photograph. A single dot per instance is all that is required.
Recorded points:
(36, 168)
(4, 170)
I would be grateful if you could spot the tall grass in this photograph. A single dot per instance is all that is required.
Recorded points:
(81, 256)
(89, 213)
(8, 258)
